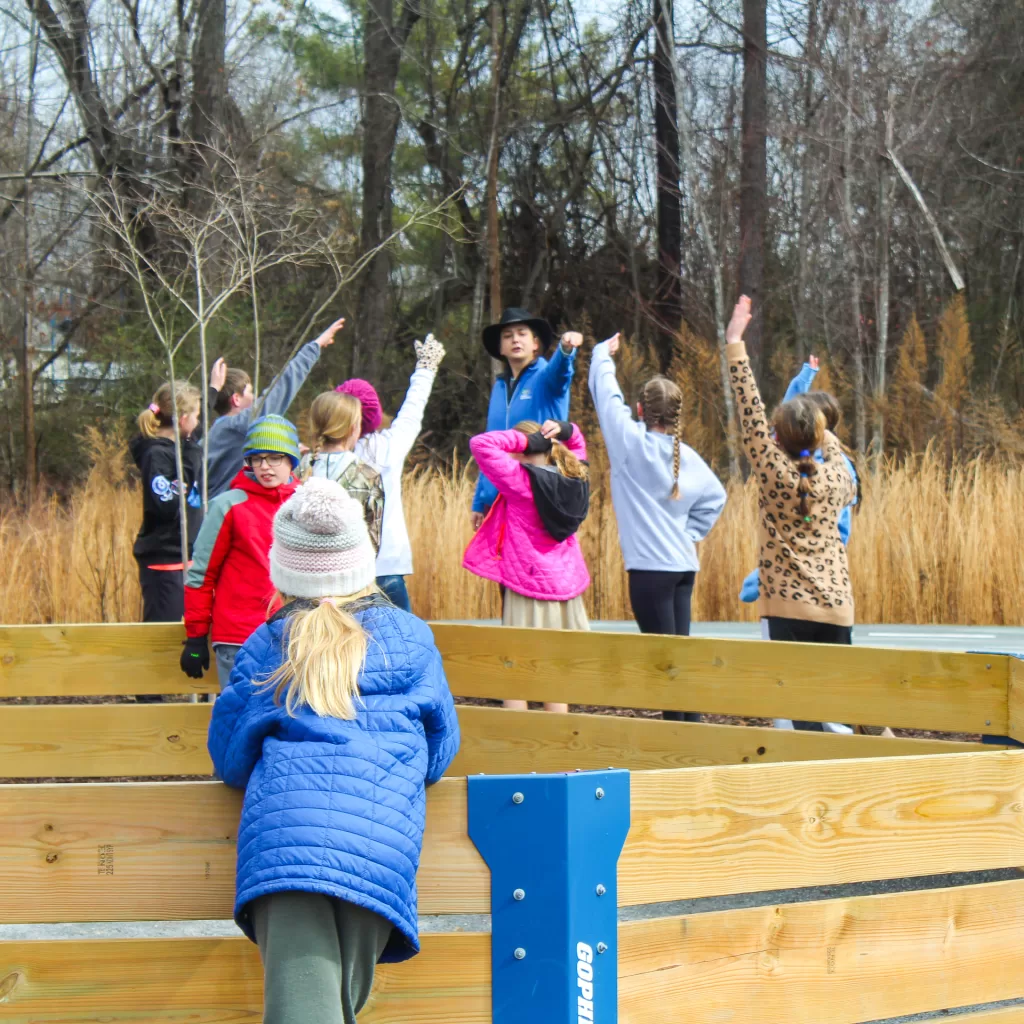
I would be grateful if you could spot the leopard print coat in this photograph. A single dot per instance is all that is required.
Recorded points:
(803, 569)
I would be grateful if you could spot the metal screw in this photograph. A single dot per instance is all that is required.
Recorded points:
(988, 723)
(601, 890)
(520, 953)
(602, 947)
(519, 894)
(517, 798)
(599, 793)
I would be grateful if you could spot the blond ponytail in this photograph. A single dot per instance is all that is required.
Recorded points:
(165, 405)
(662, 402)
(326, 652)
(559, 456)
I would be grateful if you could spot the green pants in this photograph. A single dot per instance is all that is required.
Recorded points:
(318, 956)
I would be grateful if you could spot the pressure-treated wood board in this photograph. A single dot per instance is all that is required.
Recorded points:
(166, 850)
(1016, 699)
(110, 740)
(918, 689)
(1007, 1015)
(103, 740)
(711, 831)
(498, 741)
(912, 689)
(84, 660)
(220, 981)
(835, 962)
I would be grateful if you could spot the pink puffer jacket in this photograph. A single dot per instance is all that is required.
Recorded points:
(512, 547)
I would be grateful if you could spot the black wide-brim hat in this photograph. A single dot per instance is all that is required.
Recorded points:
(515, 315)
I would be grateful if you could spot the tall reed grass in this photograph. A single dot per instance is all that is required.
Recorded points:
(931, 545)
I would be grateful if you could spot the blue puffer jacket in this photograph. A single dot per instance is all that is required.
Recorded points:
(334, 806)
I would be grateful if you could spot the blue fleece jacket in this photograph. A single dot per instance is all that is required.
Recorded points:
(800, 385)
(656, 532)
(541, 392)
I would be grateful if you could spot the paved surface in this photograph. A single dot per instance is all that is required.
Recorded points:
(1006, 639)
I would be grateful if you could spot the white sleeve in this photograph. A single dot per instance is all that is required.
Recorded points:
(617, 424)
(395, 443)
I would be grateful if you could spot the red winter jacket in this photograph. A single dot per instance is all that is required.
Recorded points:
(229, 584)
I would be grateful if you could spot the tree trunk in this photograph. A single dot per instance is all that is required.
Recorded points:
(802, 310)
(668, 301)
(493, 236)
(383, 42)
(209, 77)
(882, 290)
(754, 172)
(27, 368)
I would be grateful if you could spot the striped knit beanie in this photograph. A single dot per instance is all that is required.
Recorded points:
(321, 545)
(272, 433)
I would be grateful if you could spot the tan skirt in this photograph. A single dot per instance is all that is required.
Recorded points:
(517, 610)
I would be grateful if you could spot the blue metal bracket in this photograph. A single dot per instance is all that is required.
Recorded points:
(552, 843)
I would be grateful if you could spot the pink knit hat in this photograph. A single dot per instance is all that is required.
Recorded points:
(364, 391)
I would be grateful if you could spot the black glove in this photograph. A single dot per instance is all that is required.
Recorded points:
(565, 430)
(195, 658)
(537, 444)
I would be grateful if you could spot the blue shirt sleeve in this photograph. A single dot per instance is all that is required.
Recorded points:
(801, 383)
(556, 377)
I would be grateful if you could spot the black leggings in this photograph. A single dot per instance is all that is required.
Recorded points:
(661, 604)
(803, 631)
(163, 600)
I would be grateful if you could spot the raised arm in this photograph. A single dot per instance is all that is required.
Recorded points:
(802, 382)
(754, 433)
(617, 423)
(408, 421)
(493, 454)
(282, 391)
(556, 377)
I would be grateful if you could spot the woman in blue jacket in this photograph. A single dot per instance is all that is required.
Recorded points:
(532, 387)
(336, 718)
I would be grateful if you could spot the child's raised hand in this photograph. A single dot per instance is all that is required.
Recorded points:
(571, 340)
(613, 343)
(218, 374)
(741, 316)
(327, 338)
(429, 353)
(813, 362)
(551, 429)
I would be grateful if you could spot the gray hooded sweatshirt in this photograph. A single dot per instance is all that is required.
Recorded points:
(227, 435)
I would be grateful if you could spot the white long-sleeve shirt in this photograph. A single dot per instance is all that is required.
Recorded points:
(387, 450)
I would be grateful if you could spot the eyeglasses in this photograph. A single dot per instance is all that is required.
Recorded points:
(272, 459)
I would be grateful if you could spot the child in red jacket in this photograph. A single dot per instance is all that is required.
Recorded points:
(228, 590)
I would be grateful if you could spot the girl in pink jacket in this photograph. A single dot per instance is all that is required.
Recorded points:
(527, 543)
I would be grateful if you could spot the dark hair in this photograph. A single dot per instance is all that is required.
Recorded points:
(800, 430)
(235, 383)
(663, 407)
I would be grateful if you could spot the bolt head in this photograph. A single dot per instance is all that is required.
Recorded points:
(602, 947)
(601, 890)
(599, 793)
(519, 894)
(520, 953)
(517, 798)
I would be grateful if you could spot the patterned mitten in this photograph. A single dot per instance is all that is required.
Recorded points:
(429, 353)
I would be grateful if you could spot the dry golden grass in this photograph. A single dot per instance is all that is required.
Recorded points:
(930, 546)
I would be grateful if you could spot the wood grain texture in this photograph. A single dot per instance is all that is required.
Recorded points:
(498, 741)
(712, 831)
(1007, 1015)
(911, 689)
(104, 740)
(220, 981)
(832, 962)
(1016, 699)
(835, 962)
(110, 740)
(914, 689)
(94, 660)
(166, 851)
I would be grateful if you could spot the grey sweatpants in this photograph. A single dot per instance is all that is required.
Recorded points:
(319, 956)
(225, 656)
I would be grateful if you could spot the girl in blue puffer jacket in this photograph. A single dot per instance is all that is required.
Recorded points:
(336, 718)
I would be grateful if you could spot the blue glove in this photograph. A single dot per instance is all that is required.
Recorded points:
(751, 589)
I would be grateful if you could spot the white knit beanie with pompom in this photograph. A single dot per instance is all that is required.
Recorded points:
(321, 545)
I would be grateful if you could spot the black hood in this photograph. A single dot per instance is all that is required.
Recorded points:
(139, 445)
(562, 502)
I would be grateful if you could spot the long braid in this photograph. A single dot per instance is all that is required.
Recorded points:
(808, 468)
(677, 448)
